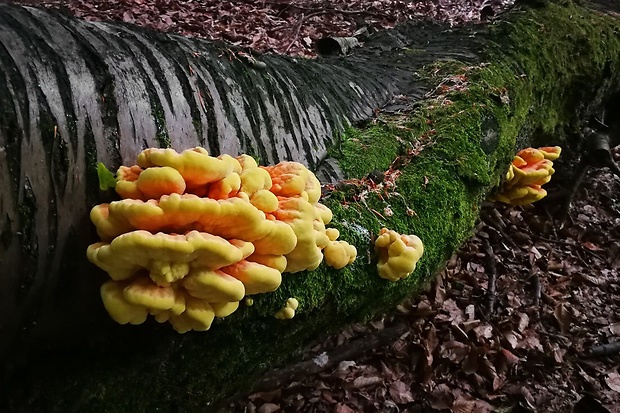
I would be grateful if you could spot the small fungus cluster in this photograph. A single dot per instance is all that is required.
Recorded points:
(530, 169)
(194, 234)
(398, 254)
(288, 311)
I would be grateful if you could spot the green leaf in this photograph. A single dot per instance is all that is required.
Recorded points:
(106, 178)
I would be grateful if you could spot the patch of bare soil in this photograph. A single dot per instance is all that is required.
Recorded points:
(525, 318)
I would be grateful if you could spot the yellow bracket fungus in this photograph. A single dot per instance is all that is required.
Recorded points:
(530, 169)
(398, 254)
(192, 235)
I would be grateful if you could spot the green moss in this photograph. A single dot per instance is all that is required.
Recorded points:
(378, 145)
(160, 122)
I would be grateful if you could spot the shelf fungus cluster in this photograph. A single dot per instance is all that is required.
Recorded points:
(530, 169)
(194, 234)
(398, 254)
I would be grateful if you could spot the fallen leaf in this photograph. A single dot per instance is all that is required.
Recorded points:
(343, 408)
(591, 246)
(524, 321)
(463, 406)
(269, 408)
(562, 315)
(400, 392)
(613, 381)
(442, 397)
(454, 351)
(366, 381)
(615, 329)
(511, 359)
(484, 330)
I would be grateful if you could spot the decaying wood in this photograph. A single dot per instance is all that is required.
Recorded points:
(605, 349)
(490, 267)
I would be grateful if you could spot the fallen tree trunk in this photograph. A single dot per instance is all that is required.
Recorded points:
(75, 93)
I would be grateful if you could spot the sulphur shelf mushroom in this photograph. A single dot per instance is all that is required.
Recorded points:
(398, 254)
(530, 169)
(170, 247)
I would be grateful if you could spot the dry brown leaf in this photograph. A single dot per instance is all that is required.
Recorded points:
(429, 343)
(511, 359)
(470, 364)
(613, 381)
(498, 382)
(615, 329)
(454, 351)
(524, 321)
(464, 405)
(266, 396)
(469, 325)
(484, 330)
(598, 281)
(470, 310)
(562, 315)
(456, 315)
(461, 405)
(400, 392)
(424, 309)
(512, 338)
(591, 246)
(367, 381)
(442, 397)
(269, 408)
(530, 341)
(343, 408)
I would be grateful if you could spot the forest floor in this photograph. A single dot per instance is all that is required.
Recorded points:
(516, 320)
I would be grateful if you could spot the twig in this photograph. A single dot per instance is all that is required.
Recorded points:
(302, 19)
(604, 349)
(582, 169)
(491, 269)
(495, 223)
(537, 290)
(568, 244)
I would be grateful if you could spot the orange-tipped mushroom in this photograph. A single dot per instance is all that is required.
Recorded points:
(530, 169)
(290, 179)
(195, 165)
(256, 278)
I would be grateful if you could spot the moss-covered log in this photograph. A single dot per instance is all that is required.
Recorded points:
(73, 93)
